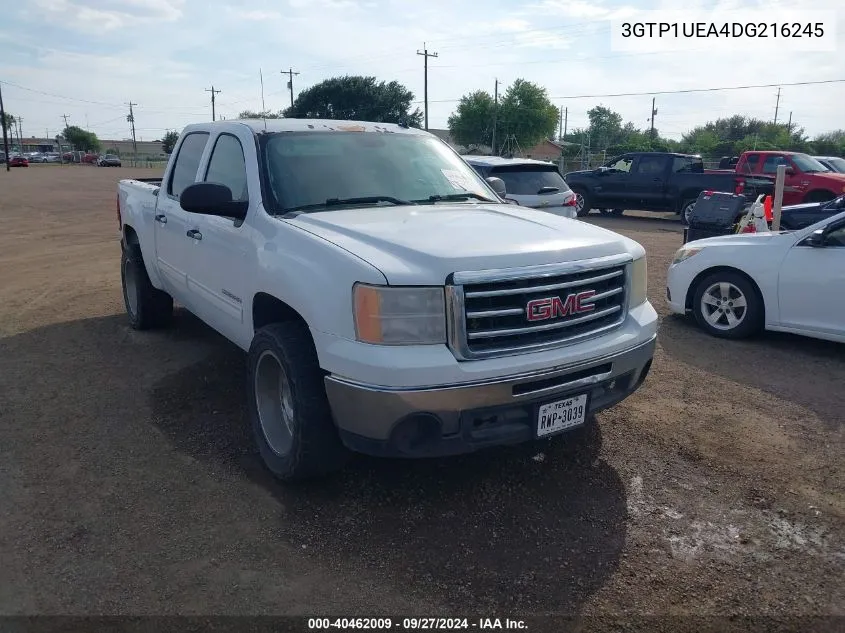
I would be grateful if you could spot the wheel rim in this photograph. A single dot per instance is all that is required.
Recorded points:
(724, 306)
(579, 203)
(130, 288)
(274, 403)
(688, 211)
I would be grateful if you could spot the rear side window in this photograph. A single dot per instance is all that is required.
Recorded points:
(752, 160)
(772, 162)
(651, 165)
(527, 180)
(228, 167)
(187, 163)
(687, 165)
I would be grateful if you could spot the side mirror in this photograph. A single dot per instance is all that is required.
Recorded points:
(211, 198)
(816, 238)
(498, 185)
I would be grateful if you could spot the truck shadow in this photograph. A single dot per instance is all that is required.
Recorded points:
(499, 529)
(495, 530)
(773, 362)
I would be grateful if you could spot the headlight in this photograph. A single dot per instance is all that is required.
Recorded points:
(639, 282)
(399, 316)
(685, 253)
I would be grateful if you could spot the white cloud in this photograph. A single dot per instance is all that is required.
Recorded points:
(108, 15)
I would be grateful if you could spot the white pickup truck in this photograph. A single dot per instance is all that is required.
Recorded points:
(389, 301)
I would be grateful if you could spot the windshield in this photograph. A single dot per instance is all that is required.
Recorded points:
(808, 164)
(337, 169)
(529, 180)
(836, 164)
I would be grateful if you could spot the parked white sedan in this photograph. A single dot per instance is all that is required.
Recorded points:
(789, 281)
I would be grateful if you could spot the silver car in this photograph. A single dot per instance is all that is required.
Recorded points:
(530, 183)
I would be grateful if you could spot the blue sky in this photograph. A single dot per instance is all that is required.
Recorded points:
(92, 56)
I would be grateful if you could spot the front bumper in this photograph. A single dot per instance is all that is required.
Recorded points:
(427, 422)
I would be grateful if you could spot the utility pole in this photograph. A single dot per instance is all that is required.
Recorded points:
(290, 73)
(560, 124)
(213, 92)
(495, 116)
(426, 55)
(653, 112)
(131, 119)
(789, 125)
(19, 124)
(3, 123)
(777, 105)
(565, 121)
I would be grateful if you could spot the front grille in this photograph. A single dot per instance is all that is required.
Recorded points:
(496, 313)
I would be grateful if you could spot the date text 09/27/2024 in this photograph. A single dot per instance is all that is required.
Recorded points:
(416, 624)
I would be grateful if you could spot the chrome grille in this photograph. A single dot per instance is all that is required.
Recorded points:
(489, 309)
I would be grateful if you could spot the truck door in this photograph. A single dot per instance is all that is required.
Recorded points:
(795, 183)
(613, 186)
(647, 186)
(222, 274)
(174, 249)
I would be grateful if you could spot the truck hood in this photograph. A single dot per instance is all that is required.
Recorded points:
(739, 239)
(425, 244)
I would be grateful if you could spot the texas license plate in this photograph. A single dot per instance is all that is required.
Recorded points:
(554, 417)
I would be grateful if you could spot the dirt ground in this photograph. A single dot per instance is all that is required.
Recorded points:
(129, 482)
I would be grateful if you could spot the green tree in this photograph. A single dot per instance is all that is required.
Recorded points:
(471, 125)
(829, 144)
(82, 139)
(606, 127)
(356, 98)
(266, 114)
(8, 122)
(527, 114)
(169, 141)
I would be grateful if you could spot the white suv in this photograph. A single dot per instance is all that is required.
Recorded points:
(530, 183)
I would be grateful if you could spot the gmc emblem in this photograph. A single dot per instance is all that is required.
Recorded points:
(554, 307)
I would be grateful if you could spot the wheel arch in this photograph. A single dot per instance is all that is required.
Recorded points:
(715, 269)
(268, 309)
(819, 195)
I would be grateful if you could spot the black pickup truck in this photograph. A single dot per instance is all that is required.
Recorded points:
(657, 181)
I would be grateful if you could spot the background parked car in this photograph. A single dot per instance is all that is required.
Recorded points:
(531, 183)
(91, 159)
(109, 160)
(799, 216)
(18, 161)
(833, 163)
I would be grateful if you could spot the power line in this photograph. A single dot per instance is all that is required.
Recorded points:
(290, 73)
(671, 92)
(426, 55)
(213, 92)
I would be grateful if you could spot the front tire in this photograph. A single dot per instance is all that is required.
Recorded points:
(727, 305)
(290, 414)
(146, 306)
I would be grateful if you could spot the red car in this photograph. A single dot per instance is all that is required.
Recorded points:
(18, 161)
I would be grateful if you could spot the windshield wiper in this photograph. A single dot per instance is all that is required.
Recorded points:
(456, 196)
(333, 202)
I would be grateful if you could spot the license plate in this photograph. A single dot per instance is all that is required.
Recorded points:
(554, 417)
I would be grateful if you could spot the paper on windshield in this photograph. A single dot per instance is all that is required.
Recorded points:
(457, 179)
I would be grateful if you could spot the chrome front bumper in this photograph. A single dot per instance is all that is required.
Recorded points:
(429, 421)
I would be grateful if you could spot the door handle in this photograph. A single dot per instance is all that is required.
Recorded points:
(194, 234)
(161, 219)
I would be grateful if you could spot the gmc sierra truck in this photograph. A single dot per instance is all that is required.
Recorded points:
(657, 181)
(388, 300)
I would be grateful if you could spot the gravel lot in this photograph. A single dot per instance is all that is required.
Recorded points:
(130, 483)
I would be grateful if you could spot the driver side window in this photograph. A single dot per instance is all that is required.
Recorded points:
(623, 164)
(836, 237)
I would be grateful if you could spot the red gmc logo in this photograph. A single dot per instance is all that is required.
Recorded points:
(554, 307)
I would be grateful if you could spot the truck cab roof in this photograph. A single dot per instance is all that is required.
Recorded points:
(261, 126)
